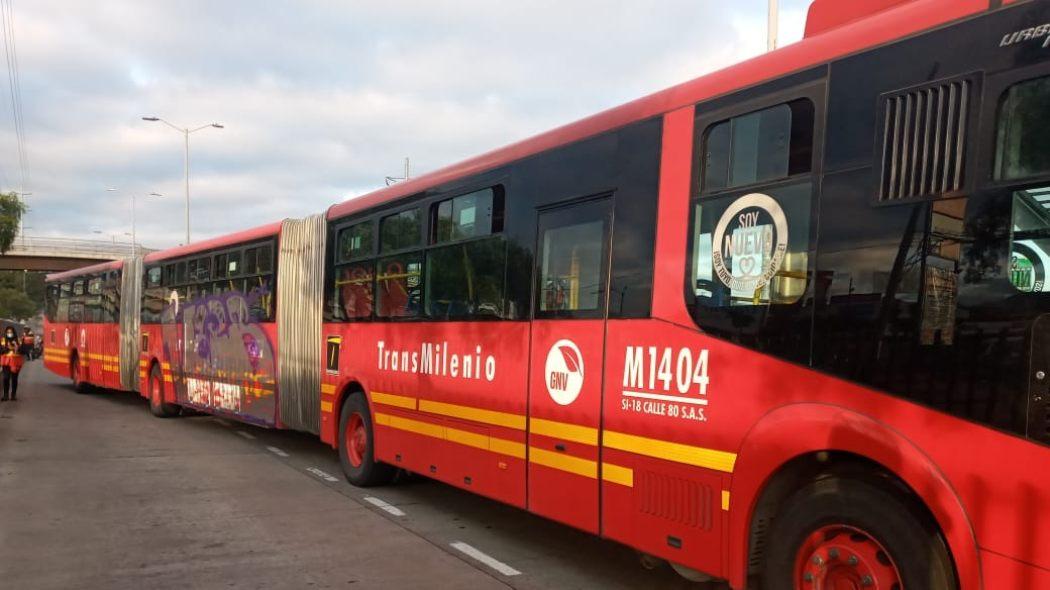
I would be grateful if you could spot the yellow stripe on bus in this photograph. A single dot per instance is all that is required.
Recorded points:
(470, 439)
(563, 462)
(326, 406)
(561, 430)
(725, 499)
(514, 421)
(618, 474)
(327, 388)
(397, 401)
(669, 451)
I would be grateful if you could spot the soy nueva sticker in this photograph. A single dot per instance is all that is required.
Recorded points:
(749, 243)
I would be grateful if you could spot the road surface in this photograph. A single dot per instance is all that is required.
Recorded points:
(97, 493)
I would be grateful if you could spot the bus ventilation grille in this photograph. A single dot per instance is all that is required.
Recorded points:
(672, 498)
(924, 139)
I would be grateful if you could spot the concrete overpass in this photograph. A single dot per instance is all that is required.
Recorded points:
(58, 254)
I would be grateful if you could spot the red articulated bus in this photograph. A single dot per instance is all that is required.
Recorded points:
(784, 325)
(82, 335)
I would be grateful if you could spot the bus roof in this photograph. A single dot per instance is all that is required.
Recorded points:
(255, 233)
(832, 32)
(86, 270)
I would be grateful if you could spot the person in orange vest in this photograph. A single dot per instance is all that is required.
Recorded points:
(28, 343)
(11, 361)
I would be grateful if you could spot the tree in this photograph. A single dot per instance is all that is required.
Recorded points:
(14, 305)
(11, 210)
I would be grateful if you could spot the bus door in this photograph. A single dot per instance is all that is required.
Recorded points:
(565, 369)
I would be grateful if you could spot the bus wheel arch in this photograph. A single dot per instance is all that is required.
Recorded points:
(795, 446)
(355, 439)
(156, 390)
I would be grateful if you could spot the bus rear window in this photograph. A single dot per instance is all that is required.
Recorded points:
(1023, 138)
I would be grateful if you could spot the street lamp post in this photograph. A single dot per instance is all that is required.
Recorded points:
(134, 241)
(185, 131)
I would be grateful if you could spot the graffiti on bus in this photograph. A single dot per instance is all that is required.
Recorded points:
(222, 357)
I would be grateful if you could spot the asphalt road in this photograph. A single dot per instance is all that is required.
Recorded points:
(97, 493)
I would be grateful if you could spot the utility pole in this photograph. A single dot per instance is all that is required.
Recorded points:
(773, 25)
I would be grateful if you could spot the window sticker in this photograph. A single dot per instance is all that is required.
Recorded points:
(749, 244)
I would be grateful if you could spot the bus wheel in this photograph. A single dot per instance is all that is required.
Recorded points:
(356, 445)
(157, 406)
(79, 385)
(839, 533)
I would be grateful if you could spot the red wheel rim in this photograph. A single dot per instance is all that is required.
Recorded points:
(356, 440)
(841, 557)
(154, 390)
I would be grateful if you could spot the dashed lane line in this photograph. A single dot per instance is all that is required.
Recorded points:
(485, 558)
(277, 451)
(384, 506)
(246, 435)
(322, 474)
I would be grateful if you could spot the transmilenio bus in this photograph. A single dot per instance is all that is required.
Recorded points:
(785, 325)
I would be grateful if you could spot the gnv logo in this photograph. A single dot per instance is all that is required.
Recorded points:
(564, 372)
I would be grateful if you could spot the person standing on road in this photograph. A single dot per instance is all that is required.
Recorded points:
(11, 361)
(28, 343)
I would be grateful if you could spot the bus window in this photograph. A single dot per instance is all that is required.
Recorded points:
(354, 290)
(398, 286)
(233, 264)
(399, 231)
(466, 280)
(204, 269)
(265, 259)
(169, 275)
(356, 242)
(251, 261)
(467, 216)
(153, 277)
(571, 268)
(758, 147)
(220, 266)
(1030, 241)
(181, 272)
(111, 298)
(1023, 139)
(752, 249)
(78, 288)
(76, 311)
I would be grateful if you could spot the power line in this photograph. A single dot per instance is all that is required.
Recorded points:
(15, 88)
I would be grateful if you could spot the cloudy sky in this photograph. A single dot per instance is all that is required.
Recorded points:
(321, 99)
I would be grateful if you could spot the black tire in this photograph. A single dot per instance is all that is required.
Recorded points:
(157, 406)
(916, 550)
(360, 467)
(79, 385)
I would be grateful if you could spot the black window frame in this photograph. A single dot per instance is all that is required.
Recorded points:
(424, 207)
(702, 138)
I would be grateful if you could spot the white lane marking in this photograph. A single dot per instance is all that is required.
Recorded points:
(221, 421)
(277, 451)
(486, 559)
(323, 475)
(246, 435)
(384, 506)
